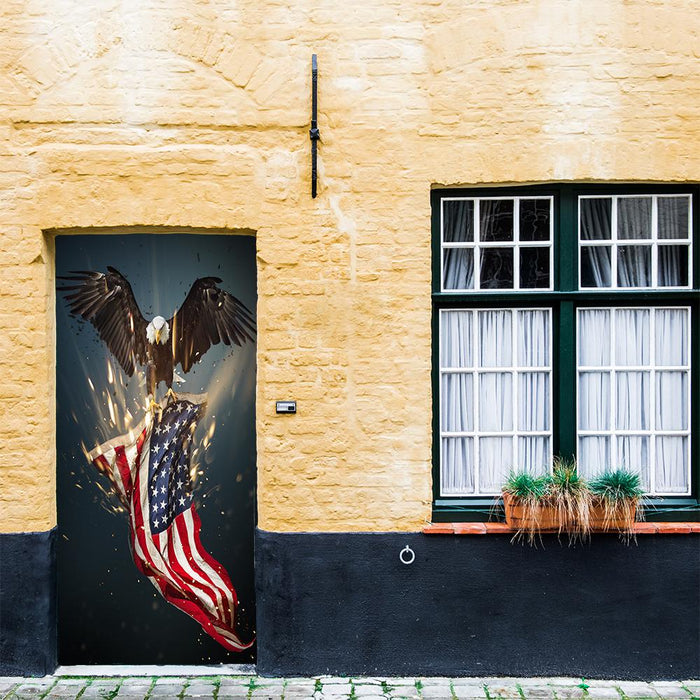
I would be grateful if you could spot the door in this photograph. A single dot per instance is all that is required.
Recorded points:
(124, 596)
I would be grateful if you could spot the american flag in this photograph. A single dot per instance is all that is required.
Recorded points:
(150, 472)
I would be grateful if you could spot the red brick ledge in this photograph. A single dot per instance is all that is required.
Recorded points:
(503, 529)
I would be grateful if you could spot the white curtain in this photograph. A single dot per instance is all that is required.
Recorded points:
(458, 268)
(673, 266)
(634, 218)
(634, 266)
(456, 339)
(457, 466)
(495, 461)
(617, 445)
(593, 455)
(495, 335)
(673, 217)
(671, 411)
(593, 330)
(632, 337)
(490, 378)
(672, 464)
(672, 337)
(634, 226)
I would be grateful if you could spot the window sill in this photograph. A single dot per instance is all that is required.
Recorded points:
(502, 529)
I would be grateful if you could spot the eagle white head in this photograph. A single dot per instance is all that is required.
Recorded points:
(158, 331)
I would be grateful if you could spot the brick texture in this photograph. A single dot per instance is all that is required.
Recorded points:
(179, 113)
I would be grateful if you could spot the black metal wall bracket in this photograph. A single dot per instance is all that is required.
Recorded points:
(314, 133)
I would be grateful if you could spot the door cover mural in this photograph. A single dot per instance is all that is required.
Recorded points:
(155, 448)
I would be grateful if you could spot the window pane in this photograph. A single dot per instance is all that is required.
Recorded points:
(633, 404)
(634, 218)
(495, 402)
(534, 219)
(595, 219)
(534, 455)
(673, 266)
(458, 268)
(495, 461)
(457, 466)
(458, 221)
(672, 465)
(674, 217)
(672, 337)
(533, 338)
(496, 268)
(633, 454)
(593, 337)
(457, 403)
(672, 400)
(632, 337)
(534, 268)
(593, 455)
(456, 339)
(596, 266)
(634, 266)
(594, 401)
(495, 334)
(496, 217)
(533, 401)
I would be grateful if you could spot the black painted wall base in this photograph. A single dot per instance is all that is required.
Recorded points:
(478, 606)
(27, 604)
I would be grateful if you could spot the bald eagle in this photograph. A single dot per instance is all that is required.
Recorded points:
(208, 316)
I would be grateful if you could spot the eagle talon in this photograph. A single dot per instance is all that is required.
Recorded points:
(170, 395)
(153, 405)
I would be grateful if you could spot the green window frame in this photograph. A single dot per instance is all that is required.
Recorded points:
(564, 299)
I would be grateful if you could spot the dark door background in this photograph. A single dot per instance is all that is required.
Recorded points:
(108, 613)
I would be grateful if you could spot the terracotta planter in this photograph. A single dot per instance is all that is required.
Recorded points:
(622, 520)
(542, 518)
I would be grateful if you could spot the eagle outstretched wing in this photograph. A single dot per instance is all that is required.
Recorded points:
(108, 302)
(208, 316)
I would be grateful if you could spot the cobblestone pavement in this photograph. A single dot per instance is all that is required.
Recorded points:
(336, 688)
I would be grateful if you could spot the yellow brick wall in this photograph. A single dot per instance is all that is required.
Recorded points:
(194, 113)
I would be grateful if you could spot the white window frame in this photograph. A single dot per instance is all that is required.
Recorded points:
(613, 368)
(654, 242)
(515, 245)
(476, 371)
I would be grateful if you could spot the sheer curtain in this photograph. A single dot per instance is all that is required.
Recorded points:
(596, 222)
(635, 238)
(672, 407)
(630, 410)
(486, 430)
(458, 227)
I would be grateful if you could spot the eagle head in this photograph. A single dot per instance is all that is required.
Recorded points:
(158, 331)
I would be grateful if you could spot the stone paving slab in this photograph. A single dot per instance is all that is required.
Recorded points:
(337, 688)
(669, 689)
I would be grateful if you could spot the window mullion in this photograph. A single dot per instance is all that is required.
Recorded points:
(477, 248)
(567, 379)
(476, 422)
(652, 401)
(515, 324)
(613, 237)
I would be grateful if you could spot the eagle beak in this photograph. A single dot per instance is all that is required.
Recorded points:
(157, 335)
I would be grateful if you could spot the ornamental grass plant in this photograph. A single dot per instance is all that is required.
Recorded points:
(572, 499)
(564, 501)
(619, 494)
